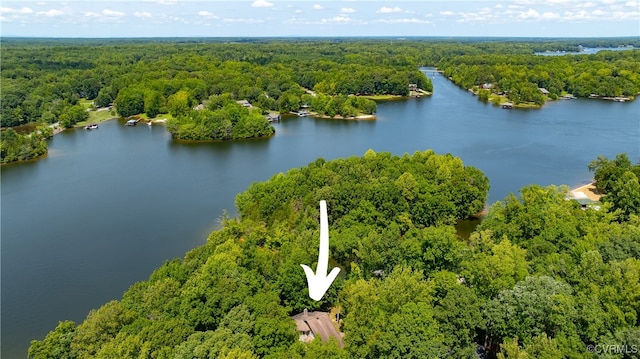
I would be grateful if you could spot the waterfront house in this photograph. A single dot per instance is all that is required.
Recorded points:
(244, 103)
(507, 105)
(316, 324)
(543, 91)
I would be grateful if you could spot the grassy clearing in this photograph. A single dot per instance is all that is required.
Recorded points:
(160, 116)
(382, 97)
(100, 116)
(499, 100)
(94, 116)
(86, 103)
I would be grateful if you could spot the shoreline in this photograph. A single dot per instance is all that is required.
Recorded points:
(499, 100)
(338, 117)
(588, 190)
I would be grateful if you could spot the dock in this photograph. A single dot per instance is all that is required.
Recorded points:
(301, 113)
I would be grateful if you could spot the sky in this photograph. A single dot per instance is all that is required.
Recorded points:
(305, 18)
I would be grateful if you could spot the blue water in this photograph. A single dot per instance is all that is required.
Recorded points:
(585, 51)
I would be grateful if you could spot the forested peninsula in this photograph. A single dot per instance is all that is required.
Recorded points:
(66, 81)
(541, 277)
(534, 79)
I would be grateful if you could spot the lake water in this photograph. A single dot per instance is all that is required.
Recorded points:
(108, 206)
(585, 51)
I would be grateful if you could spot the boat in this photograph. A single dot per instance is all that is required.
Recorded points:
(149, 123)
(132, 123)
(91, 126)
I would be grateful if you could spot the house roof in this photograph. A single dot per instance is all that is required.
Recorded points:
(585, 201)
(319, 323)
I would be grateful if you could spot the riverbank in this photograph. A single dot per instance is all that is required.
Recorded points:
(412, 94)
(338, 117)
(499, 100)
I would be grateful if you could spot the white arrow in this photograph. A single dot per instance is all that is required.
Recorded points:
(319, 282)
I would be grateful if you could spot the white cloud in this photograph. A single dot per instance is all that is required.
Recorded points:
(625, 15)
(340, 19)
(447, 13)
(162, 2)
(142, 14)
(585, 4)
(298, 11)
(91, 14)
(207, 14)
(550, 15)
(632, 3)
(347, 10)
(261, 3)
(317, 7)
(8, 10)
(112, 13)
(576, 16)
(402, 21)
(50, 13)
(529, 14)
(388, 10)
(246, 21)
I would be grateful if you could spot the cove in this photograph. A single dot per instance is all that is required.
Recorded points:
(107, 206)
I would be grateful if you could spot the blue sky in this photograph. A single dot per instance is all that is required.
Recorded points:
(178, 18)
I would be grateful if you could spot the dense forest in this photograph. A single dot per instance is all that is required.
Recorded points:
(17, 147)
(604, 74)
(539, 278)
(55, 80)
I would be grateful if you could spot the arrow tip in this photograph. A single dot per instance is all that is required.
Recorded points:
(319, 283)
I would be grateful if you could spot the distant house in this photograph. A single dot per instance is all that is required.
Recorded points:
(584, 201)
(543, 91)
(244, 103)
(413, 87)
(487, 86)
(316, 324)
(200, 107)
(507, 105)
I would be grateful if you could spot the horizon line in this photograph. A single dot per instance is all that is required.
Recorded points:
(398, 37)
